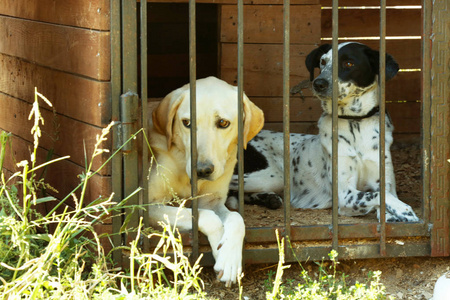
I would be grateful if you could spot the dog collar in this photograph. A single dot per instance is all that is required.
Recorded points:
(368, 115)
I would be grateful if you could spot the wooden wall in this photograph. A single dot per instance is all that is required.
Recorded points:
(263, 56)
(63, 49)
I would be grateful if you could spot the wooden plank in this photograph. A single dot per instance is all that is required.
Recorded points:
(407, 53)
(87, 14)
(371, 2)
(264, 24)
(235, 1)
(405, 116)
(365, 22)
(406, 86)
(263, 72)
(65, 135)
(73, 96)
(301, 110)
(62, 175)
(75, 50)
(263, 67)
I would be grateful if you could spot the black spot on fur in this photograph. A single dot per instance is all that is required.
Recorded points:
(360, 195)
(253, 160)
(343, 138)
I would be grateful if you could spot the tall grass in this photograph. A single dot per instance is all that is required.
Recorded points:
(67, 262)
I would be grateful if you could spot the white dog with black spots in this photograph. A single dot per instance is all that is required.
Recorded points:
(358, 144)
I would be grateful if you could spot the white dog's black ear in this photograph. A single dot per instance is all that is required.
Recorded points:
(164, 114)
(312, 61)
(253, 120)
(391, 65)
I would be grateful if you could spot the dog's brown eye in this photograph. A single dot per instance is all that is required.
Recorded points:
(323, 62)
(186, 123)
(347, 64)
(223, 123)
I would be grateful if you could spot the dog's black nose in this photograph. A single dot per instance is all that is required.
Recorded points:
(320, 85)
(204, 170)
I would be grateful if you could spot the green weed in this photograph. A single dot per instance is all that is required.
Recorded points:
(329, 284)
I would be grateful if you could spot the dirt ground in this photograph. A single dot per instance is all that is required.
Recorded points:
(404, 278)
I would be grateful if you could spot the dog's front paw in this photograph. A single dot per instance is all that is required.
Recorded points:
(400, 213)
(229, 261)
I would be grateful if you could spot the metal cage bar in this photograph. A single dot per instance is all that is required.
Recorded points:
(193, 106)
(116, 162)
(382, 136)
(240, 84)
(129, 86)
(374, 230)
(334, 169)
(144, 116)
(426, 108)
(286, 124)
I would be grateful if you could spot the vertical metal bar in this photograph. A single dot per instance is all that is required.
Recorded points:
(129, 84)
(426, 108)
(116, 172)
(286, 124)
(334, 169)
(144, 116)
(381, 103)
(192, 80)
(240, 84)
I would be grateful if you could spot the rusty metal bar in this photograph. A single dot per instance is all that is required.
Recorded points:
(317, 253)
(334, 148)
(261, 235)
(116, 162)
(240, 84)
(426, 108)
(270, 255)
(192, 80)
(129, 86)
(346, 231)
(381, 103)
(286, 125)
(144, 116)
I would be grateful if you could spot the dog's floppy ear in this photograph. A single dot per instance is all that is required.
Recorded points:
(391, 65)
(253, 120)
(164, 114)
(312, 61)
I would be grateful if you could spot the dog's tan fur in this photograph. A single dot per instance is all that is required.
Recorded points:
(217, 147)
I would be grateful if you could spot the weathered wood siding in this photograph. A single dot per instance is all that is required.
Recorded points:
(263, 56)
(63, 49)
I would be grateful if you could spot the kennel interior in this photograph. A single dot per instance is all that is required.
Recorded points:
(101, 63)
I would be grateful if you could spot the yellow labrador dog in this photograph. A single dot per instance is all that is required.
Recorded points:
(217, 148)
